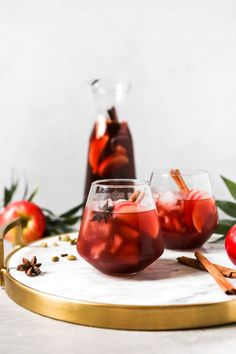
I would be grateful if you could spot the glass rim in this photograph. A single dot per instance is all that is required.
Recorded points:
(165, 172)
(110, 85)
(115, 183)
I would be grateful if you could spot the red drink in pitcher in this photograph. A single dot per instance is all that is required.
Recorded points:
(110, 152)
(120, 236)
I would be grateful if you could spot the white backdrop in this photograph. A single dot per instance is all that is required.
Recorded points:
(180, 56)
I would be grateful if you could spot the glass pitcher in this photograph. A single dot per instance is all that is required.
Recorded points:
(110, 152)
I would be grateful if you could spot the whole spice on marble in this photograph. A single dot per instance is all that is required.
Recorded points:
(65, 238)
(71, 257)
(64, 254)
(73, 242)
(44, 244)
(31, 268)
(55, 259)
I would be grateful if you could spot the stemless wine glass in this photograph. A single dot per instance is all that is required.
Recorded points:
(186, 207)
(120, 231)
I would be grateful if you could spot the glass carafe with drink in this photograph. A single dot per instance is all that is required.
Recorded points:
(110, 152)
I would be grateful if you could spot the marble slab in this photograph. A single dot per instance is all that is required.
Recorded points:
(165, 282)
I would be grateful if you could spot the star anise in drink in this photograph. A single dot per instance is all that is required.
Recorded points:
(104, 214)
(31, 268)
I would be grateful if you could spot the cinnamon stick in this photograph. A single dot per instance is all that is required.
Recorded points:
(112, 114)
(177, 177)
(194, 263)
(137, 196)
(134, 196)
(215, 273)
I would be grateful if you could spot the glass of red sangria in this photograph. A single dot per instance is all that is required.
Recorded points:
(186, 207)
(120, 231)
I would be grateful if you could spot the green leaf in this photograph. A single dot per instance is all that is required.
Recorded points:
(9, 193)
(230, 185)
(72, 221)
(228, 207)
(33, 194)
(224, 226)
(25, 191)
(72, 211)
(47, 211)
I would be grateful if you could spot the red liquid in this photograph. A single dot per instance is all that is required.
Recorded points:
(187, 223)
(110, 152)
(126, 243)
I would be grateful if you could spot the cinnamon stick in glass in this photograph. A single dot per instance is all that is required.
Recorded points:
(194, 263)
(215, 273)
(177, 177)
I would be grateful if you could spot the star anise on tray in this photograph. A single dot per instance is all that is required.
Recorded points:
(31, 268)
(104, 214)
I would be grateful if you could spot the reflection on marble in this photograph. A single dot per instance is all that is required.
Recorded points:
(165, 282)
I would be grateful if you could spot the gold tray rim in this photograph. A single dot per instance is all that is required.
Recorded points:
(117, 316)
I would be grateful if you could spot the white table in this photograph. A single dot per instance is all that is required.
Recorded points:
(24, 332)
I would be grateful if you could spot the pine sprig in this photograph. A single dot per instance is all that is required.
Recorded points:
(229, 208)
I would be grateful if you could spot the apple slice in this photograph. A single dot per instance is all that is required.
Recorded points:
(97, 249)
(129, 254)
(95, 151)
(125, 207)
(149, 223)
(196, 194)
(126, 212)
(204, 215)
(111, 163)
(117, 241)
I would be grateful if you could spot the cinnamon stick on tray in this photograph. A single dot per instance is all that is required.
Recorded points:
(194, 263)
(215, 273)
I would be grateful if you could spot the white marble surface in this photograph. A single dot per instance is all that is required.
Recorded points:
(165, 282)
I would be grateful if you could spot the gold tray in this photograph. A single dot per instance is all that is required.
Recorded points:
(113, 315)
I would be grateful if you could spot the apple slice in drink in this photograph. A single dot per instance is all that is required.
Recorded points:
(204, 214)
(117, 241)
(97, 146)
(112, 164)
(97, 249)
(125, 212)
(199, 207)
(129, 253)
(149, 223)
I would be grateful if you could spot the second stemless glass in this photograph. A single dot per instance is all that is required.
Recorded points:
(186, 207)
(120, 231)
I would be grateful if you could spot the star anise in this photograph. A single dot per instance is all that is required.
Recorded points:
(31, 268)
(104, 214)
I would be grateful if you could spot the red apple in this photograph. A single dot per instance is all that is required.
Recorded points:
(230, 244)
(34, 222)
